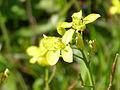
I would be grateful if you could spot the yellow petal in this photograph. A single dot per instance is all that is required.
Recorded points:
(113, 10)
(32, 51)
(34, 59)
(90, 18)
(53, 57)
(42, 61)
(67, 37)
(67, 54)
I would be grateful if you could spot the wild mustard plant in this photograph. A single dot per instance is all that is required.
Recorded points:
(115, 8)
(51, 48)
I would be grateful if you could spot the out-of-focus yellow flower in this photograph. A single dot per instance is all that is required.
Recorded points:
(4, 76)
(115, 8)
(49, 51)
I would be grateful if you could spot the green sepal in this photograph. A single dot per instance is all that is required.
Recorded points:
(79, 41)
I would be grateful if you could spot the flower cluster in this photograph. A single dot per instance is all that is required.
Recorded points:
(115, 8)
(51, 48)
(49, 51)
(78, 24)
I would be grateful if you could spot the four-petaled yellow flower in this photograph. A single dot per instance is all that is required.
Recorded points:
(49, 51)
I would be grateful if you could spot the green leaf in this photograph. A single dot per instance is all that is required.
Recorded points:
(11, 84)
(53, 57)
(67, 37)
(90, 18)
(85, 74)
(38, 83)
(67, 54)
(79, 41)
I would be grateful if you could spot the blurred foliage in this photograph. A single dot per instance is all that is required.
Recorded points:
(22, 23)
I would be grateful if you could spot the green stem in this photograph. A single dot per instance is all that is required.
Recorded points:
(46, 79)
(90, 73)
(52, 75)
(66, 8)
(5, 34)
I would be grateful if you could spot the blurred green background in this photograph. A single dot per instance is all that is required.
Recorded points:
(23, 23)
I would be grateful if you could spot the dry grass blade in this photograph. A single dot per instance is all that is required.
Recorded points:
(113, 71)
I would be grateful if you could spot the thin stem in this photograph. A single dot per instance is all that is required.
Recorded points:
(52, 75)
(5, 34)
(113, 71)
(73, 85)
(32, 20)
(46, 79)
(66, 8)
(6, 38)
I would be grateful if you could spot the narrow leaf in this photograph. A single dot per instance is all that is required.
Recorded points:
(85, 74)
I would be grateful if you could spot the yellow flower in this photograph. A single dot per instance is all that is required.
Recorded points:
(78, 22)
(49, 51)
(115, 8)
(4, 76)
